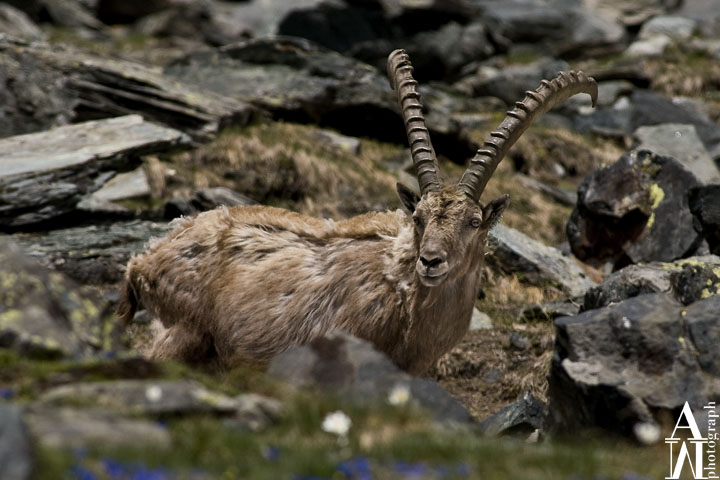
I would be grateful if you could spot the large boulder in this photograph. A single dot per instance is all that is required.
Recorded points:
(47, 174)
(534, 262)
(633, 364)
(634, 211)
(343, 364)
(43, 314)
(297, 80)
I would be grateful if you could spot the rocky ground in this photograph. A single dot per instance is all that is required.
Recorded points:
(599, 316)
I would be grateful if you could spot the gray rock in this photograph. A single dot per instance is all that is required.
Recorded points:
(350, 367)
(675, 27)
(653, 46)
(263, 18)
(480, 320)
(299, 81)
(43, 314)
(632, 363)
(635, 13)
(15, 452)
(123, 186)
(511, 83)
(46, 174)
(534, 262)
(70, 428)
(34, 96)
(16, 23)
(520, 418)
(95, 254)
(683, 144)
(550, 310)
(634, 211)
(142, 397)
(255, 412)
(705, 206)
(337, 141)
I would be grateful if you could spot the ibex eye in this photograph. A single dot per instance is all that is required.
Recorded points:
(417, 221)
(475, 222)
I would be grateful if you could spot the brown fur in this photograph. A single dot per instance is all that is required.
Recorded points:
(246, 283)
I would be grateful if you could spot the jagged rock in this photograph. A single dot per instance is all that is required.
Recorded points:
(142, 397)
(632, 363)
(300, 81)
(16, 23)
(33, 96)
(705, 206)
(16, 460)
(686, 280)
(520, 418)
(105, 86)
(480, 320)
(634, 211)
(514, 252)
(46, 174)
(44, 314)
(69, 428)
(682, 143)
(551, 310)
(206, 199)
(95, 254)
(350, 367)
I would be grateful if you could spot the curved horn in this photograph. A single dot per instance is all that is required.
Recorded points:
(537, 102)
(401, 80)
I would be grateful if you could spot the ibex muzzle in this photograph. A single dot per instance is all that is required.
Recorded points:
(237, 286)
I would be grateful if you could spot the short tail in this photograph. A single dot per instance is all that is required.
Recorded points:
(128, 304)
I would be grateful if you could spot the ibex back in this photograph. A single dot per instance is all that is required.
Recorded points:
(239, 285)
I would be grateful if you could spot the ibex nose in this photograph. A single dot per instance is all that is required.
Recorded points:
(433, 262)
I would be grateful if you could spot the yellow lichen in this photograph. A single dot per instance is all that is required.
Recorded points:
(656, 197)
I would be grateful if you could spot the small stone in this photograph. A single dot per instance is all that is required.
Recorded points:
(480, 320)
(648, 47)
(676, 28)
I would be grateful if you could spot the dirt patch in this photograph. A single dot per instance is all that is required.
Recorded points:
(492, 368)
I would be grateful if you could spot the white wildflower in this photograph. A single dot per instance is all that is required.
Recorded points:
(153, 393)
(647, 433)
(399, 395)
(337, 423)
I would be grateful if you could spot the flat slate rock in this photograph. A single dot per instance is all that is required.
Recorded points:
(536, 263)
(63, 427)
(108, 87)
(142, 397)
(46, 174)
(94, 254)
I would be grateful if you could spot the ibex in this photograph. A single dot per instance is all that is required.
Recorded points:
(245, 283)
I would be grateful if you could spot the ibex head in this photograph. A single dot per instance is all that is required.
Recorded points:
(451, 224)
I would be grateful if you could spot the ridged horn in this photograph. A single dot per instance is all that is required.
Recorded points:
(535, 103)
(400, 71)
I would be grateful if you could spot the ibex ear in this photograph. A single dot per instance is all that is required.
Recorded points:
(408, 197)
(493, 211)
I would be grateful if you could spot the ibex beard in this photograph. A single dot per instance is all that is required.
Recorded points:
(238, 285)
